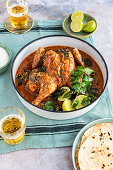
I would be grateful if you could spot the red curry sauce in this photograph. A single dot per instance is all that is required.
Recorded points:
(26, 64)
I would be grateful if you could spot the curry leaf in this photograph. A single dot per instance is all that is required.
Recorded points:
(49, 105)
(59, 92)
(74, 104)
(19, 79)
(93, 90)
(88, 62)
(27, 72)
(51, 108)
(91, 95)
(86, 101)
(65, 52)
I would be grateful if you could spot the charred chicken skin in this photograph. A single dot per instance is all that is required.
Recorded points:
(58, 66)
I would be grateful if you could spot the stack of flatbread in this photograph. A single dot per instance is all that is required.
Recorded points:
(95, 151)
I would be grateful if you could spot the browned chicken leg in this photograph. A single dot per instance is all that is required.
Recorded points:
(33, 83)
(37, 56)
(47, 86)
(78, 57)
(40, 82)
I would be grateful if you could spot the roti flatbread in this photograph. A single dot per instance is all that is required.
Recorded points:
(96, 152)
(95, 128)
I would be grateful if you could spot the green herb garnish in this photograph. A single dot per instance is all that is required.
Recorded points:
(43, 69)
(93, 90)
(87, 62)
(92, 93)
(19, 79)
(49, 105)
(81, 79)
(57, 107)
(27, 72)
(74, 104)
(58, 93)
(65, 52)
(88, 71)
(63, 93)
(86, 101)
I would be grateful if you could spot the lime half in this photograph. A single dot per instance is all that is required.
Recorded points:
(76, 25)
(89, 26)
(77, 15)
(66, 106)
(79, 99)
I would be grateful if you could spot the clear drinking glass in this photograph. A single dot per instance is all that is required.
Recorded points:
(12, 125)
(18, 12)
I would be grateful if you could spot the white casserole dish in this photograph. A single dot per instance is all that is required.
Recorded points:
(51, 41)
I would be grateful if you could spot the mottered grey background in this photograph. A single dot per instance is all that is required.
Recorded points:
(102, 11)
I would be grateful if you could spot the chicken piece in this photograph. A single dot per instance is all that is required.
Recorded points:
(37, 57)
(31, 87)
(78, 57)
(33, 84)
(41, 83)
(52, 64)
(47, 86)
(59, 67)
(67, 66)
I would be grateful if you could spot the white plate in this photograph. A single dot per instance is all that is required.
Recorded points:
(66, 41)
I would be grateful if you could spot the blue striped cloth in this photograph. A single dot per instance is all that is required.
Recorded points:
(41, 132)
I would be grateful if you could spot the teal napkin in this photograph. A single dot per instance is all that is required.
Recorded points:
(41, 132)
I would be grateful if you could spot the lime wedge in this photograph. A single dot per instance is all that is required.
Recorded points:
(66, 106)
(76, 25)
(78, 99)
(77, 15)
(89, 26)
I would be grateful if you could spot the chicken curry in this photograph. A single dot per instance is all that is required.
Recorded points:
(56, 76)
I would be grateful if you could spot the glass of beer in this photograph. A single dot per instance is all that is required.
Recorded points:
(18, 13)
(12, 125)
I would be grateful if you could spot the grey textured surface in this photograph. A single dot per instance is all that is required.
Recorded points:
(102, 11)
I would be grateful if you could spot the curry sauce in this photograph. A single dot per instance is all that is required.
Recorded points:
(26, 66)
